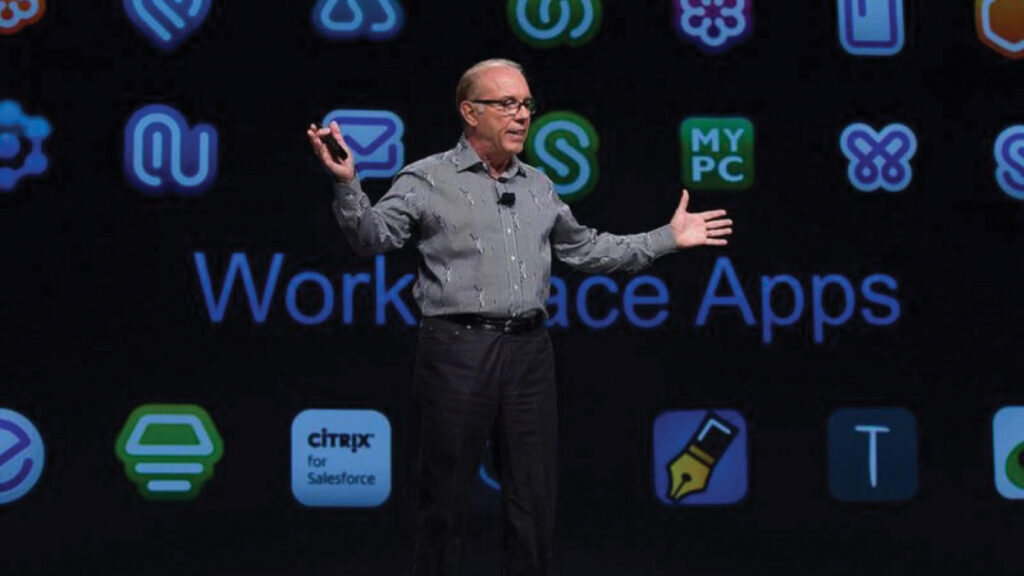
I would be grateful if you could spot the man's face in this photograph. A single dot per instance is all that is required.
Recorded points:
(504, 132)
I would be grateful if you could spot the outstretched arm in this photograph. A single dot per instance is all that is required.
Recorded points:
(591, 251)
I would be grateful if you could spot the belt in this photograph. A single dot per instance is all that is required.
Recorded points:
(515, 325)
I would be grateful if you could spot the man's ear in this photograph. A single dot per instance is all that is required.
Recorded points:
(468, 113)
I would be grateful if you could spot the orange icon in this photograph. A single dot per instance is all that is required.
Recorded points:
(16, 14)
(1000, 25)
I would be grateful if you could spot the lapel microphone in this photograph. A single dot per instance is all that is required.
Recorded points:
(507, 199)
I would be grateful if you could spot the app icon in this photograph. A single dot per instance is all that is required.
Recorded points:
(879, 159)
(341, 458)
(15, 15)
(872, 454)
(871, 27)
(714, 26)
(700, 457)
(22, 456)
(162, 154)
(169, 450)
(351, 19)
(21, 145)
(548, 23)
(374, 137)
(1009, 153)
(1000, 26)
(1008, 450)
(717, 153)
(167, 23)
(563, 145)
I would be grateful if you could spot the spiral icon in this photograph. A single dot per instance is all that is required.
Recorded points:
(549, 23)
(564, 146)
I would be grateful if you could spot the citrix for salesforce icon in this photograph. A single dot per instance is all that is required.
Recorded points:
(549, 23)
(717, 153)
(352, 19)
(162, 154)
(879, 159)
(878, 290)
(1009, 154)
(21, 145)
(22, 456)
(563, 145)
(167, 23)
(341, 458)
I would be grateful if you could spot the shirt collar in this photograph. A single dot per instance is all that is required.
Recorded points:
(466, 158)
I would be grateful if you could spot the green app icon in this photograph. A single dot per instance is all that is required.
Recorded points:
(545, 24)
(169, 450)
(718, 153)
(563, 145)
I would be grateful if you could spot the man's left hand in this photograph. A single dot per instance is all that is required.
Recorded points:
(700, 229)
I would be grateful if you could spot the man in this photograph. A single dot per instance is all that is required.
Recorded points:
(486, 225)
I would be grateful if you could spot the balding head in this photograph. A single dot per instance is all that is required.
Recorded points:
(468, 84)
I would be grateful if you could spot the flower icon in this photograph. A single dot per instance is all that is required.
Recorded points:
(714, 25)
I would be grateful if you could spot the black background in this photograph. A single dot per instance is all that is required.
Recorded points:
(101, 307)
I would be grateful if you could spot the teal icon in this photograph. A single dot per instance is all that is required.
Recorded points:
(169, 450)
(563, 145)
(547, 23)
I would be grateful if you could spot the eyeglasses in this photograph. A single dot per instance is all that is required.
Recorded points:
(511, 106)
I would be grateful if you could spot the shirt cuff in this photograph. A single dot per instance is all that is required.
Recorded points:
(347, 190)
(662, 241)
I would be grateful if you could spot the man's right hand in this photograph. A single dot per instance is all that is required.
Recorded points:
(344, 171)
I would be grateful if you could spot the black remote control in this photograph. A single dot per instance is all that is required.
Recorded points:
(337, 152)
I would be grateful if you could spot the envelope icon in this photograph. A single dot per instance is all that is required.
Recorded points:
(375, 139)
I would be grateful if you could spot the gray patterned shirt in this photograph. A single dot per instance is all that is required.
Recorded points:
(478, 256)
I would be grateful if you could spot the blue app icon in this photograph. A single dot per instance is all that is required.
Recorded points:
(167, 23)
(700, 457)
(341, 458)
(375, 139)
(872, 454)
(1009, 153)
(879, 159)
(1008, 451)
(22, 456)
(871, 27)
(163, 155)
(351, 19)
(21, 145)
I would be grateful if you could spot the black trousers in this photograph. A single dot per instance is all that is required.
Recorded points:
(474, 385)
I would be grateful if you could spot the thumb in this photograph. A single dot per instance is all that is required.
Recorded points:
(684, 201)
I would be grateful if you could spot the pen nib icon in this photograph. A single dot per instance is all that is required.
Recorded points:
(691, 470)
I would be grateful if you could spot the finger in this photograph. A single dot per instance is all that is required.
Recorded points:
(712, 214)
(720, 232)
(684, 201)
(716, 242)
(718, 223)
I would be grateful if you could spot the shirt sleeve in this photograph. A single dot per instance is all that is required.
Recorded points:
(591, 251)
(375, 228)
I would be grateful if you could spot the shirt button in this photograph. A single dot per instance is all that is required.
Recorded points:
(516, 287)
(513, 257)
(509, 230)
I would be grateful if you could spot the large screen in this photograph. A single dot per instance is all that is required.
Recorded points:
(200, 375)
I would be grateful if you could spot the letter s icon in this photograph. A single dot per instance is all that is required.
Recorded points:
(563, 145)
